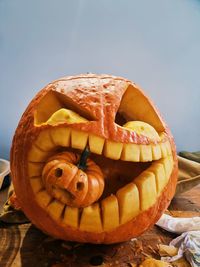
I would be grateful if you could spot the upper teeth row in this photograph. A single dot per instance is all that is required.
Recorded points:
(49, 139)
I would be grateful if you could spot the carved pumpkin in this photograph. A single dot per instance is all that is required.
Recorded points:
(129, 177)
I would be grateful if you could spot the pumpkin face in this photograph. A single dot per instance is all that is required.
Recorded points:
(66, 181)
(121, 188)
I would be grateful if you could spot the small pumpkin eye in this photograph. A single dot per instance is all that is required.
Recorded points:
(58, 172)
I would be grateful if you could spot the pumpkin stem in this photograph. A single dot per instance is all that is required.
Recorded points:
(83, 158)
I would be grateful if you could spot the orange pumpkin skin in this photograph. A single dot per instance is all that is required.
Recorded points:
(103, 89)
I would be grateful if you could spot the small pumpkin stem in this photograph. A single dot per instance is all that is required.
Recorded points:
(83, 159)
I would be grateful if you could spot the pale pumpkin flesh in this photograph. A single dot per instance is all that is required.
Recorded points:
(136, 173)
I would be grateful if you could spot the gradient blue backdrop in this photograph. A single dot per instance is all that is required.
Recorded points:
(155, 43)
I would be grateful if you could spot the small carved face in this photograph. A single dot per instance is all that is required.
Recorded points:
(98, 162)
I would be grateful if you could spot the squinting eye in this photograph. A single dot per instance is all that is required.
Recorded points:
(134, 106)
(56, 108)
(65, 115)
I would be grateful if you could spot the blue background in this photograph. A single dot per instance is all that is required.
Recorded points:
(154, 43)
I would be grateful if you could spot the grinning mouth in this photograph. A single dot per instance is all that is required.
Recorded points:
(139, 172)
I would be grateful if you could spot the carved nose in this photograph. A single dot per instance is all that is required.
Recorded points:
(79, 184)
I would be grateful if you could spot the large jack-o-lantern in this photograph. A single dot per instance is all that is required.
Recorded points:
(92, 160)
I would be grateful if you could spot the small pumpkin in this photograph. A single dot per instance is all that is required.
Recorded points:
(75, 181)
(130, 174)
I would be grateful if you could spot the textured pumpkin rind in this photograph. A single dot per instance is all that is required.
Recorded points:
(26, 134)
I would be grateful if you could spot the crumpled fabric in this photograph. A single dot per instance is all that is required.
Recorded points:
(188, 243)
(189, 247)
(195, 156)
(178, 225)
(188, 174)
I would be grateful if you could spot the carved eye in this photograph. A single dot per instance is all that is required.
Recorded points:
(134, 106)
(55, 108)
(136, 114)
(58, 172)
(64, 115)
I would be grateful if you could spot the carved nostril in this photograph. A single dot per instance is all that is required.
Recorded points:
(79, 186)
(58, 172)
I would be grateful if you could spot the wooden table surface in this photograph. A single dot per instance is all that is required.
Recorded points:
(24, 245)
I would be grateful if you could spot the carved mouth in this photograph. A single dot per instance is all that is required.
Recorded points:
(139, 172)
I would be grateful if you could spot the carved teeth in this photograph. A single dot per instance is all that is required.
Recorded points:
(43, 198)
(79, 139)
(156, 152)
(146, 184)
(168, 165)
(168, 148)
(55, 209)
(61, 136)
(145, 153)
(44, 141)
(129, 203)
(163, 150)
(110, 208)
(66, 137)
(71, 216)
(96, 144)
(37, 155)
(131, 152)
(91, 219)
(161, 178)
(113, 150)
(36, 184)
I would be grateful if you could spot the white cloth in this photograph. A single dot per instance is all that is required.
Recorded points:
(188, 243)
(179, 225)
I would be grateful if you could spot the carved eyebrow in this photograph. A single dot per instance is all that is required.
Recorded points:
(69, 103)
(52, 102)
